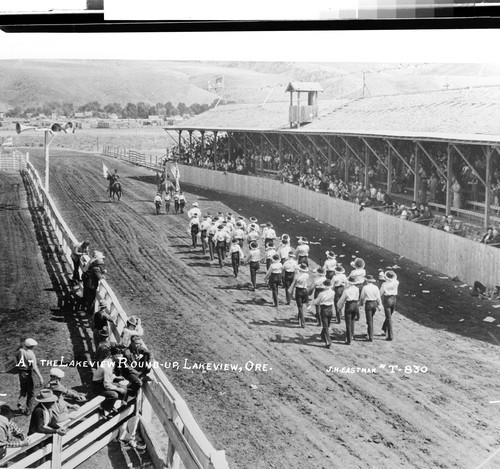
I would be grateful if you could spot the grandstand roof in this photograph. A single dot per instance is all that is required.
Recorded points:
(463, 114)
(303, 86)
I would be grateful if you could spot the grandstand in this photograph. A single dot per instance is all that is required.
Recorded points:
(453, 134)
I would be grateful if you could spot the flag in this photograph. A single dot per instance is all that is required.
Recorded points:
(105, 171)
(217, 83)
(7, 142)
(174, 170)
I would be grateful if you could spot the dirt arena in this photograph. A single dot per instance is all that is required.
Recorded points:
(427, 405)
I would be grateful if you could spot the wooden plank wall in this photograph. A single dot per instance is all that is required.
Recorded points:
(449, 254)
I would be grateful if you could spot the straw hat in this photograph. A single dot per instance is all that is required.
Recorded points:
(133, 320)
(269, 224)
(319, 270)
(46, 395)
(291, 254)
(327, 283)
(195, 204)
(330, 255)
(358, 263)
(339, 269)
(303, 267)
(276, 257)
(253, 219)
(254, 245)
(369, 278)
(390, 275)
(351, 280)
(56, 372)
(30, 343)
(269, 245)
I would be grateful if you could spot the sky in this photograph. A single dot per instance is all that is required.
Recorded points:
(452, 46)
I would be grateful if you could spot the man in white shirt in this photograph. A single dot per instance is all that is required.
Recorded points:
(284, 248)
(273, 275)
(268, 234)
(290, 266)
(194, 210)
(221, 239)
(300, 284)
(329, 265)
(254, 262)
(350, 299)
(389, 293)
(236, 254)
(339, 281)
(325, 302)
(302, 251)
(194, 228)
(370, 298)
(204, 227)
(318, 287)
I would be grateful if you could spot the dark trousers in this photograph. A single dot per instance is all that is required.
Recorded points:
(110, 396)
(329, 274)
(203, 237)
(158, 207)
(89, 295)
(370, 310)
(302, 298)
(351, 311)
(26, 388)
(182, 204)
(235, 261)
(389, 302)
(338, 293)
(268, 263)
(211, 247)
(326, 314)
(360, 287)
(254, 267)
(176, 206)
(287, 282)
(274, 283)
(76, 268)
(268, 241)
(194, 235)
(317, 291)
(167, 206)
(221, 251)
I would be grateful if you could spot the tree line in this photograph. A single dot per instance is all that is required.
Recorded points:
(140, 110)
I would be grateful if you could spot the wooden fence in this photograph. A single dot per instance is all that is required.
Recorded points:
(132, 156)
(187, 445)
(13, 160)
(447, 253)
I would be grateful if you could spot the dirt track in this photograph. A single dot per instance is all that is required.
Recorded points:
(295, 415)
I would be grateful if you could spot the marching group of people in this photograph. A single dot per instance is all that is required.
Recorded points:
(335, 292)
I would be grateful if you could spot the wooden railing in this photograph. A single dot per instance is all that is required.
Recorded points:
(187, 445)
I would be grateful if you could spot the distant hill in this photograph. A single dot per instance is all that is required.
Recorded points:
(27, 83)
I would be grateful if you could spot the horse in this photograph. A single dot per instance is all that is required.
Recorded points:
(166, 186)
(115, 190)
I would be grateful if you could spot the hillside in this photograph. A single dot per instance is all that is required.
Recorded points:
(27, 83)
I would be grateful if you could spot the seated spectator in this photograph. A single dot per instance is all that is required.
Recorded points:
(61, 410)
(448, 223)
(106, 383)
(42, 420)
(138, 352)
(100, 319)
(133, 328)
(404, 213)
(490, 237)
(103, 349)
(425, 215)
(10, 434)
(56, 374)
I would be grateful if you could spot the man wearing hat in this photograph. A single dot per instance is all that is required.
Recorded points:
(95, 273)
(101, 321)
(330, 264)
(168, 199)
(241, 221)
(133, 327)
(302, 251)
(104, 345)
(273, 275)
(157, 202)
(194, 229)
(194, 211)
(349, 298)
(253, 258)
(176, 202)
(252, 235)
(269, 254)
(268, 234)
(27, 365)
(41, 418)
(339, 281)
(370, 298)
(238, 234)
(76, 255)
(221, 239)
(389, 293)
(253, 224)
(10, 434)
(290, 266)
(56, 374)
(210, 236)
(318, 286)
(182, 201)
(206, 223)
(325, 301)
(358, 274)
(61, 410)
(284, 248)
(300, 283)
(236, 254)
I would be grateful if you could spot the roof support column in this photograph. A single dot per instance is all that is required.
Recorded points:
(448, 182)
(389, 169)
(280, 151)
(215, 149)
(346, 165)
(315, 158)
(261, 156)
(416, 180)
(229, 149)
(329, 153)
(180, 143)
(202, 144)
(487, 193)
(367, 167)
(190, 141)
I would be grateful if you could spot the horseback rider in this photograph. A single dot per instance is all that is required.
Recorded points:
(113, 178)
